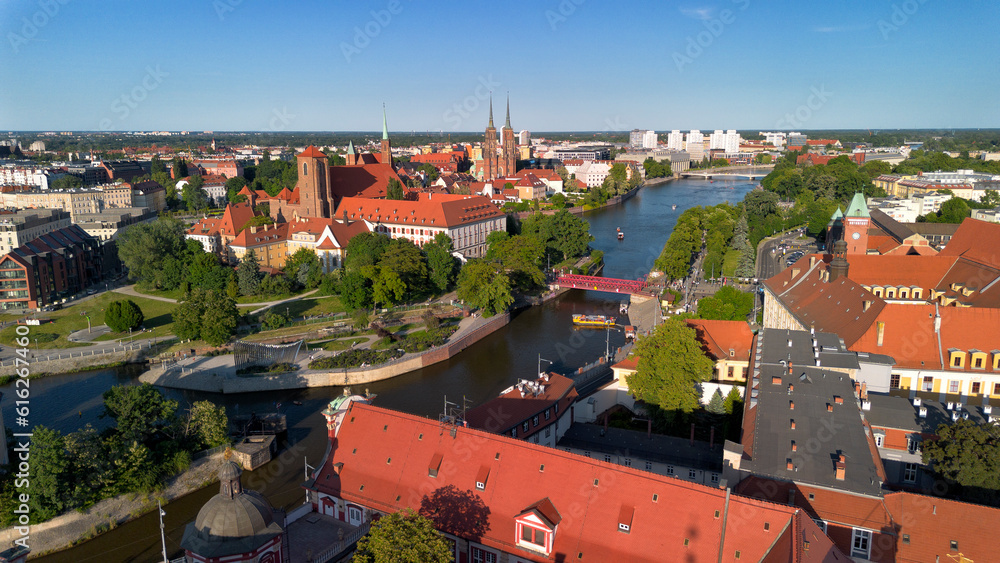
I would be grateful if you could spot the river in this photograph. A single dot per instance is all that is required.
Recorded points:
(66, 402)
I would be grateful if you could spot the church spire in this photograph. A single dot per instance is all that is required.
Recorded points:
(385, 127)
(491, 110)
(507, 125)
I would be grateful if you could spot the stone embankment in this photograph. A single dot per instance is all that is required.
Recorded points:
(218, 374)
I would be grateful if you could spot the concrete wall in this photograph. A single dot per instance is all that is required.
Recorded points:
(69, 361)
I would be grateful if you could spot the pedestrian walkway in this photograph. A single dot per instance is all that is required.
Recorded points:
(263, 305)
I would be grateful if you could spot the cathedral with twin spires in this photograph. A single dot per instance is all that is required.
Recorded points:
(495, 165)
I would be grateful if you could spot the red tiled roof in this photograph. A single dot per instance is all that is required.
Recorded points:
(233, 218)
(273, 234)
(978, 241)
(429, 210)
(361, 180)
(311, 152)
(932, 523)
(516, 408)
(719, 337)
(383, 459)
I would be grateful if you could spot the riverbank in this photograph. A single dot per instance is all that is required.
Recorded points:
(53, 362)
(76, 527)
(217, 374)
(616, 200)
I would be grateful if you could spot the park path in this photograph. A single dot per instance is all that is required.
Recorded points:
(130, 290)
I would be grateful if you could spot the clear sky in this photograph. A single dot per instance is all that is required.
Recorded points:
(568, 64)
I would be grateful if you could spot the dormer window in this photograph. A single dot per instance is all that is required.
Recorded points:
(536, 525)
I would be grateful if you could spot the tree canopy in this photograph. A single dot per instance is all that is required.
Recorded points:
(485, 285)
(671, 365)
(122, 315)
(403, 537)
(967, 454)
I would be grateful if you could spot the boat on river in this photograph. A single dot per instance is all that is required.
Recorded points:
(593, 320)
(621, 235)
(674, 207)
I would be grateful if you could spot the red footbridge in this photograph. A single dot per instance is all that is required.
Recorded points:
(609, 285)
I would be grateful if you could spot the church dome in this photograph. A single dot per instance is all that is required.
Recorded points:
(245, 515)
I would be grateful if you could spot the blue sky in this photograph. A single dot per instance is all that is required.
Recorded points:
(568, 64)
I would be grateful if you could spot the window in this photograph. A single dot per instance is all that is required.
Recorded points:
(649, 466)
(548, 413)
(533, 535)
(715, 478)
(534, 420)
(861, 543)
(977, 363)
(910, 473)
(953, 386)
(513, 432)
(821, 524)
(627, 462)
(912, 445)
(586, 454)
(879, 439)
(894, 381)
(929, 383)
(956, 360)
(607, 458)
(996, 388)
(670, 470)
(305, 169)
(692, 474)
(524, 426)
(548, 431)
(480, 555)
(976, 386)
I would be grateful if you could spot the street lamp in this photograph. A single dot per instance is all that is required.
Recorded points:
(607, 342)
(540, 360)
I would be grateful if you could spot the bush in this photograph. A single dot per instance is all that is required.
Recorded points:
(354, 358)
(181, 461)
(123, 315)
(272, 320)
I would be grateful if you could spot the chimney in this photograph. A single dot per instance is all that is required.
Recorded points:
(253, 229)
(791, 424)
(829, 407)
(789, 466)
(812, 261)
(838, 399)
(789, 342)
(937, 321)
(790, 388)
(841, 470)
(789, 368)
(866, 306)
(864, 391)
(880, 331)
(795, 446)
(791, 405)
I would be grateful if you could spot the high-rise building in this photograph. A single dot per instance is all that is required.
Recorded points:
(635, 138)
(717, 140)
(675, 140)
(695, 145)
(524, 138)
(731, 142)
(649, 140)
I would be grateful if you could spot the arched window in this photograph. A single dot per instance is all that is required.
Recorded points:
(305, 168)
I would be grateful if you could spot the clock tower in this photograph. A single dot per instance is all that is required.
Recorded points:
(856, 222)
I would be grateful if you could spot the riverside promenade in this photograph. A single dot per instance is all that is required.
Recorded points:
(217, 374)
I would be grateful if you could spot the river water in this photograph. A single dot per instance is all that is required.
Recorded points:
(67, 402)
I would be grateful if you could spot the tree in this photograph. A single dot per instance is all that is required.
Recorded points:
(955, 210)
(150, 250)
(394, 189)
(485, 285)
(92, 469)
(178, 167)
(429, 170)
(365, 249)
(187, 317)
(257, 221)
(728, 304)
(521, 257)
(218, 322)
(272, 320)
(716, 405)
(991, 198)
(193, 195)
(440, 262)
(136, 470)
(745, 265)
(356, 290)
(47, 474)
(388, 288)
(156, 166)
(233, 187)
(206, 272)
(208, 424)
(734, 402)
(248, 274)
(122, 315)
(967, 454)
(671, 365)
(66, 182)
(138, 410)
(403, 537)
(405, 259)
(304, 268)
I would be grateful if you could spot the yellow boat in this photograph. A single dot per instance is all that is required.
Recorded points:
(593, 320)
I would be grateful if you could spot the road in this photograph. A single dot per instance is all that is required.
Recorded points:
(771, 263)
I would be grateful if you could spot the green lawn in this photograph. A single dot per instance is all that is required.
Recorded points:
(337, 345)
(729, 263)
(168, 293)
(312, 306)
(69, 319)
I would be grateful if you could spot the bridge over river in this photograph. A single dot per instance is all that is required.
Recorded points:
(734, 172)
(608, 285)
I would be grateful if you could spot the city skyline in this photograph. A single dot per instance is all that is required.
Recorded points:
(231, 65)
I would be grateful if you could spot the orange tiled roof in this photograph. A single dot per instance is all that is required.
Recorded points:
(587, 493)
(361, 180)
(264, 235)
(932, 523)
(719, 337)
(311, 152)
(429, 210)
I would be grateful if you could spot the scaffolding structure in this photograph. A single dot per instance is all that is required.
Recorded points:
(254, 354)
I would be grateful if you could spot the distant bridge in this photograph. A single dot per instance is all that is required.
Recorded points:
(723, 172)
(608, 285)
